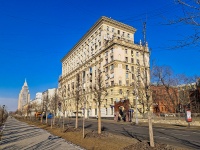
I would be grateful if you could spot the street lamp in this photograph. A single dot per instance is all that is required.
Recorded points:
(2, 113)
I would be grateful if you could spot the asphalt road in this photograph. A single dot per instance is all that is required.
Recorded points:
(18, 135)
(186, 138)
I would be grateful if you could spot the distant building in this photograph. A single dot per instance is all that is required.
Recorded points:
(165, 99)
(50, 102)
(37, 100)
(189, 95)
(24, 96)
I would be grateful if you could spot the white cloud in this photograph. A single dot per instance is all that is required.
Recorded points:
(10, 103)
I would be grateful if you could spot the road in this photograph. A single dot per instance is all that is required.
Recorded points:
(185, 138)
(21, 136)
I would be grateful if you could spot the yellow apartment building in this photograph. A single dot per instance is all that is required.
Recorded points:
(109, 47)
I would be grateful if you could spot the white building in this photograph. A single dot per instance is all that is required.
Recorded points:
(50, 101)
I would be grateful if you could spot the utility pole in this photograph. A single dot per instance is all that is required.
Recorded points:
(147, 87)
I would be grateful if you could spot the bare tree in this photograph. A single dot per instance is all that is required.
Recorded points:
(190, 16)
(84, 101)
(162, 76)
(100, 93)
(3, 114)
(144, 92)
(54, 106)
(77, 97)
(63, 104)
(177, 88)
(46, 103)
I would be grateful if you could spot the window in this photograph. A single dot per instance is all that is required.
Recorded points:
(126, 59)
(90, 70)
(108, 35)
(107, 28)
(112, 83)
(126, 67)
(128, 35)
(132, 68)
(111, 92)
(106, 111)
(123, 34)
(106, 61)
(126, 51)
(106, 102)
(111, 100)
(99, 43)
(84, 76)
(111, 50)
(131, 52)
(112, 67)
(106, 84)
(137, 53)
(132, 60)
(133, 77)
(138, 62)
(111, 58)
(126, 75)
(120, 82)
(95, 111)
(106, 69)
(112, 110)
(127, 83)
(106, 53)
(106, 77)
(120, 91)
(113, 30)
(118, 31)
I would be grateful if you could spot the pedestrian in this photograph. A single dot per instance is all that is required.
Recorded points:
(97, 117)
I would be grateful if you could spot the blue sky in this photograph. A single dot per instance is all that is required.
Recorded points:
(35, 35)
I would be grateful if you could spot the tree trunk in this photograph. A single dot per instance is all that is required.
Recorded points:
(84, 123)
(46, 118)
(76, 125)
(54, 118)
(51, 123)
(41, 118)
(63, 122)
(99, 120)
(151, 138)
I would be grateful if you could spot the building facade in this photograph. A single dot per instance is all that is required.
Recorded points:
(189, 95)
(24, 96)
(108, 47)
(165, 99)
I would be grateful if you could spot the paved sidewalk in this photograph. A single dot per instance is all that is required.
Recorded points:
(21, 136)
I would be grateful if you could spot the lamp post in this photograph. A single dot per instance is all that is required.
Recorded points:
(2, 113)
